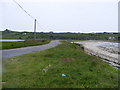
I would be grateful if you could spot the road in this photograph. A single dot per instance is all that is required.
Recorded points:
(19, 51)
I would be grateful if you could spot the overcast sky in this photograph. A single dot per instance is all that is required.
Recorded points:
(60, 15)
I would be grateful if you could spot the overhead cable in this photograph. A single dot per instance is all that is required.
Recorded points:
(23, 9)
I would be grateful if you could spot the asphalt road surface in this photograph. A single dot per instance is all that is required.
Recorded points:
(19, 51)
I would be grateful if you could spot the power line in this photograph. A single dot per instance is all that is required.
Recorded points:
(23, 9)
(26, 12)
(29, 16)
(38, 24)
(42, 27)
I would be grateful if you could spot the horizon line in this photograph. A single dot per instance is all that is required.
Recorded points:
(64, 31)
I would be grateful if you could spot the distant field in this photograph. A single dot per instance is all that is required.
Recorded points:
(10, 45)
(7, 34)
(44, 70)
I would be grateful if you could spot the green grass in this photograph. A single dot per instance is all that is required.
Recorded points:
(10, 45)
(44, 69)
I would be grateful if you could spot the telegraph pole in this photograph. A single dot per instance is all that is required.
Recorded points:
(29, 16)
(35, 29)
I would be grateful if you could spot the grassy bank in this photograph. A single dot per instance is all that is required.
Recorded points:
(44, 69)
(10, 45)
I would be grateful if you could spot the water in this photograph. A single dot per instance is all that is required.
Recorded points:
(109, 44)
(113, 49)
(10, 40)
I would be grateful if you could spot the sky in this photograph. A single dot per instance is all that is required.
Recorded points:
(83, 16)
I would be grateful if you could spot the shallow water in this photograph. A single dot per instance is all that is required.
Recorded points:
(10, 40)
(109, 45)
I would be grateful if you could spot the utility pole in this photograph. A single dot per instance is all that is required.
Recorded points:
(35, 29)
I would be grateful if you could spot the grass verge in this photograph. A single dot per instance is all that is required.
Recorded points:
(10, 45)
(44, 69)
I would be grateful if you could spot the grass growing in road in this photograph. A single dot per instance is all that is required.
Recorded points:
(10, 45)
(44, 69)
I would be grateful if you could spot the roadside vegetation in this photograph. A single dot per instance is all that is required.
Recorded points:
(44, 69)
(10, 45)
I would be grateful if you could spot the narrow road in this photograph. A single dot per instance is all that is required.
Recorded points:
(19, 51)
